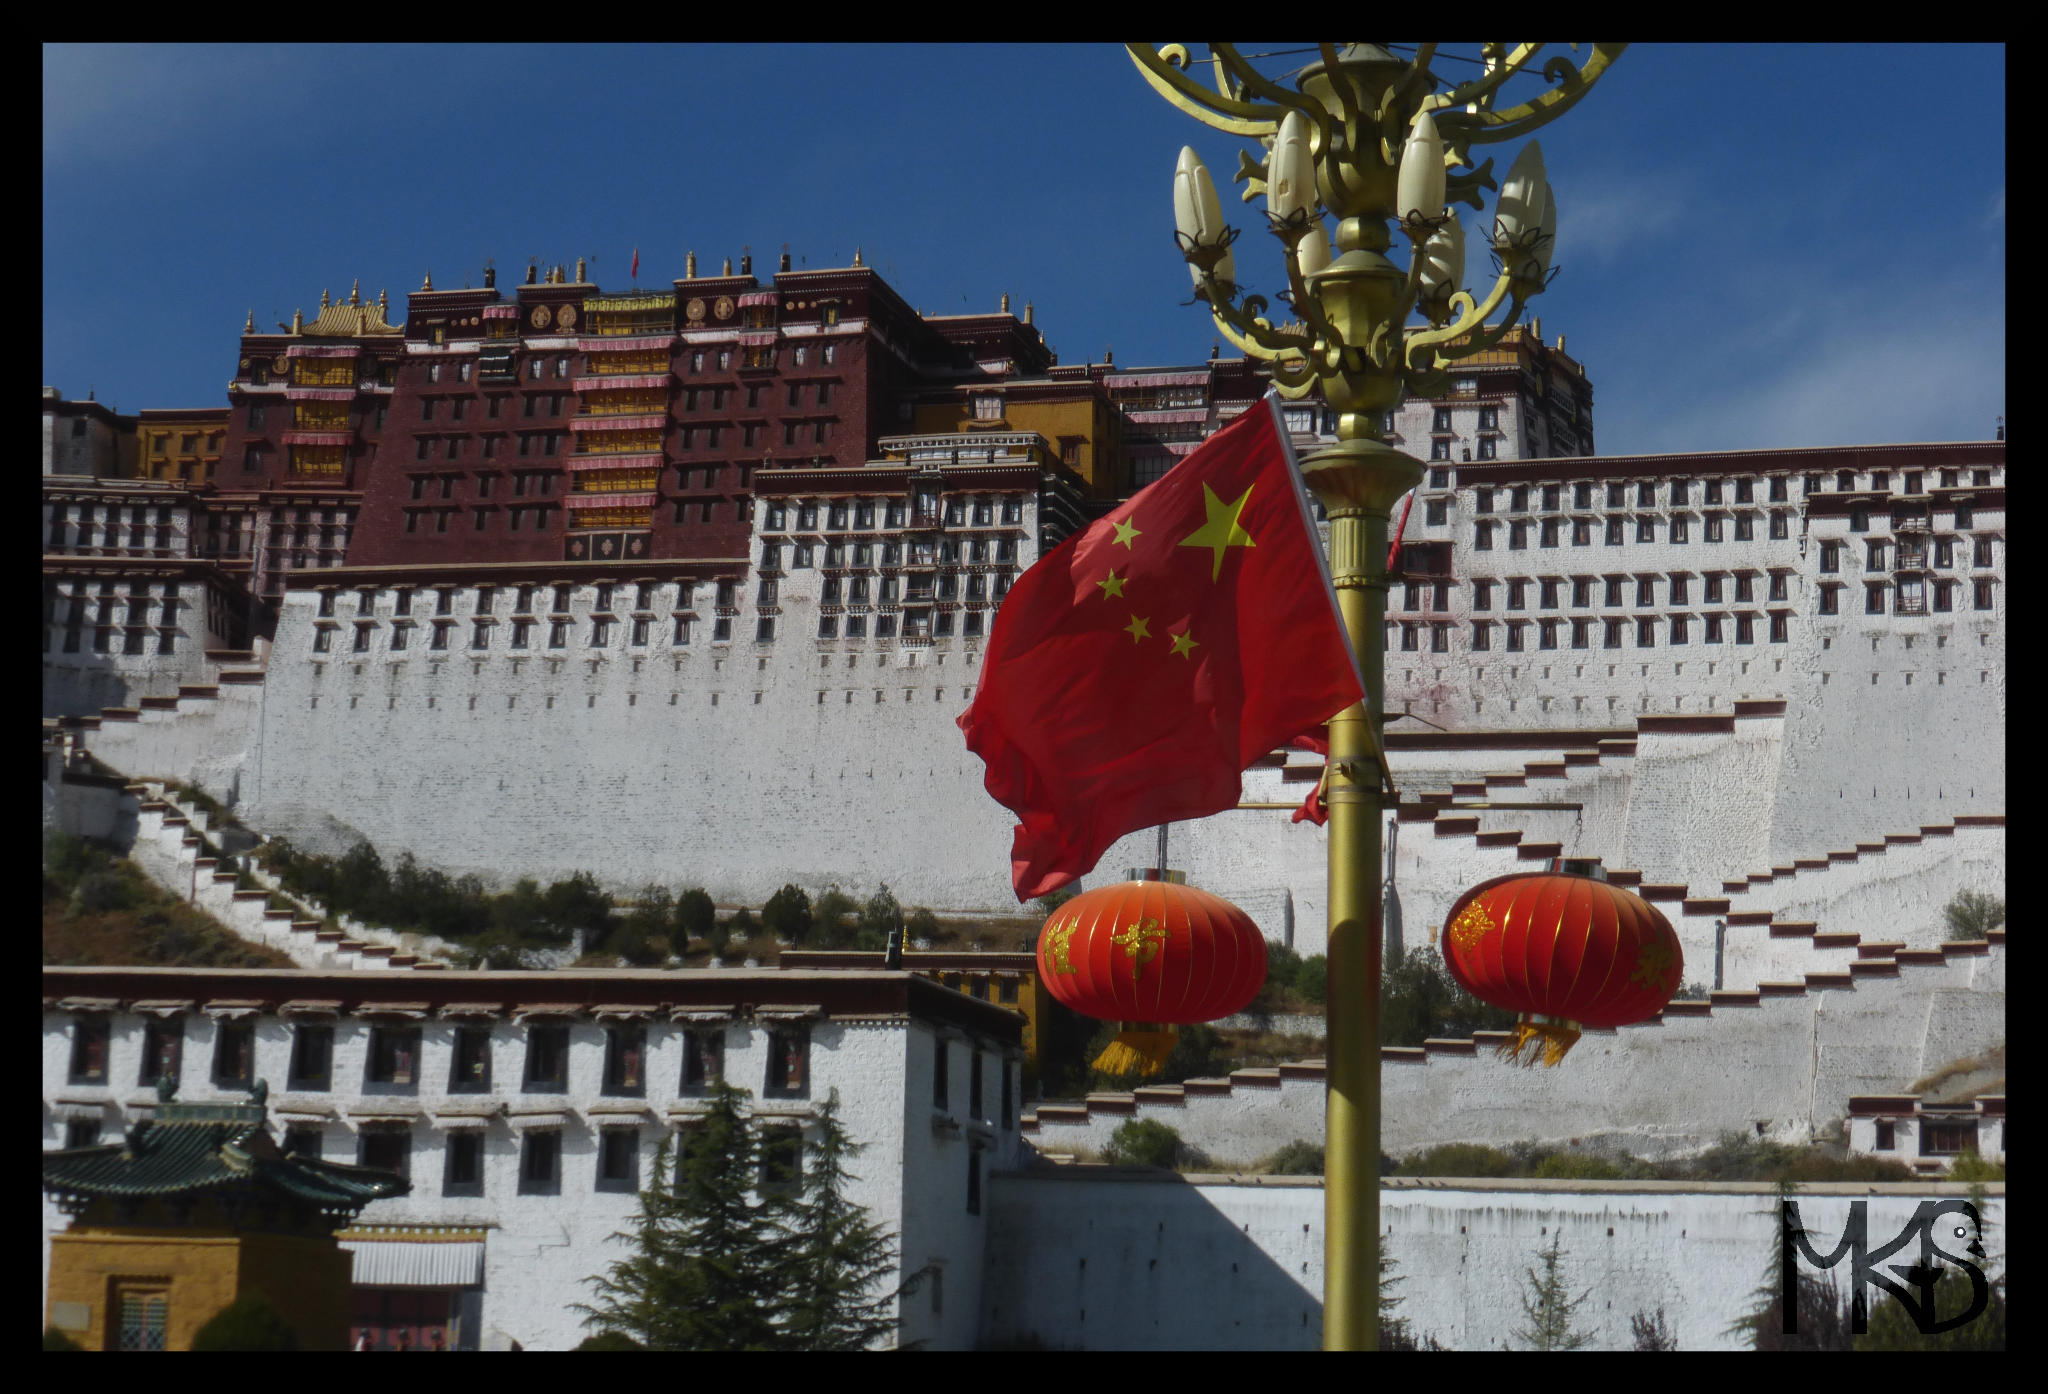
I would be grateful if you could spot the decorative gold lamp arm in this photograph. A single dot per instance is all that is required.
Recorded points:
(1163, 69)
(1571, 83)
(1473, 317)
(1480, 90)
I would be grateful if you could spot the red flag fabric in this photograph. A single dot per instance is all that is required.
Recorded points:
(636, 264)
(1136, 671)
(1312, 809)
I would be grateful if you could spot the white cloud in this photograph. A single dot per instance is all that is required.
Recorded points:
(1997, 209)
(1603, 219)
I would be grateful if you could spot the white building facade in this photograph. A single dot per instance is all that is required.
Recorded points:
(526, 1109)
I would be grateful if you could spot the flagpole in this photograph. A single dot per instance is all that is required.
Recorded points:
(1359, 480)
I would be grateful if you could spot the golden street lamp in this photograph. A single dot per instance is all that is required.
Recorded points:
(1365, 138)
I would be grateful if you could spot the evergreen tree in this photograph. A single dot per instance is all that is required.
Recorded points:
(879, 918)
(702, 1272)
(1823, 1316)
(787, 915)
(1651, 1333)
(835, 1261)
(1550, 1315)
(696, 917)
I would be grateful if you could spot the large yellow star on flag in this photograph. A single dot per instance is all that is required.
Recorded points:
(1124, 533)
(1222, 530)
(1185, 644)
(1112, 585)
(1137, 629)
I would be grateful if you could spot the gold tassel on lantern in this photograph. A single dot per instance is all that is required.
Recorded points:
(1140, 1047)
(1541, 1037)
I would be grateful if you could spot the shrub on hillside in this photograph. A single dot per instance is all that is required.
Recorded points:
(1419, 1000)
(1579, 1166)
(879, 918)
(1142, 1142)
(832, 917)
(1297, 1158)
(1972, 914)
(1460, 1159)
(920, 924)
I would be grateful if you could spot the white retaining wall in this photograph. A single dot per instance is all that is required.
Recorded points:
(1108, 1259)
(1783, 1065)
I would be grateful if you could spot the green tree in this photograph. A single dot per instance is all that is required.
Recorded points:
(701, 1272)
(1650, 1333)
(1972, 913)
(836, 1262)
(1891, 1326)
(920, 924)
(1053, 900)
(609, 1340)
(695, 918)
(879, 918)
(1823, 1317)
(1297, 1158)
(787, 915)
(641, 935)
(1395, 1332)
(247, 1323)
(740, 927)
(53, 1339)
(1312, 979)
(1550, 1313)
(1142, 1142)
(1419, 999)
(831, 915)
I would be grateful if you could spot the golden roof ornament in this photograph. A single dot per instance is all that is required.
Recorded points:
(689, 266)
(249, 327)
(324, 302)
(580, 269)
(728, 267)
(428, 284)
(355, 292)
(298, 321)
(856, 257)
(383, 303)
(1006, 302)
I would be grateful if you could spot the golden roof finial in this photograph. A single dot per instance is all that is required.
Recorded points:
(324, 302)
(355, 291)
(1006, 302)
(580, 269)
(428, 284)
(383, 301)
(690, 266)
(298, 321)
(250, 327)
(728, 266)
(856, 257)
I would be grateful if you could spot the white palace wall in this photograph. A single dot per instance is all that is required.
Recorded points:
(1091, 1258)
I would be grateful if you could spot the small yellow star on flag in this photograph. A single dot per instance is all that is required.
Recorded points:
(1222, 530)
(1184, 644)
(1137, 629)
(1124, 533)
(1112, 585)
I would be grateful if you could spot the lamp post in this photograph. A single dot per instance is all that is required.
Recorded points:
(1366, 138)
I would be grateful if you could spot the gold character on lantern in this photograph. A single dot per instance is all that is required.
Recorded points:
(1471, 927)
(1141, 941)
(1653, 965)
(1057, 938)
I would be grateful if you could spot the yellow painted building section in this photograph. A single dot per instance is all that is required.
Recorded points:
(1085, 430)
(305, 1278)
(174, 448)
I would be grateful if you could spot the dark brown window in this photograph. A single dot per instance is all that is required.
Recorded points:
(394, 1058)
(1887, 1138)
(789, 1060)
(304, 1140)
(1947, 1139)
(89, 1050)
(625, 1056)
(465, 1167)
(470, 1070)
(162, 1046)
(312, 1064)
(618, 1159)
(782, 1159)
(547, 1059)
(387, 1149)
(540, 1163)
(234, 1054)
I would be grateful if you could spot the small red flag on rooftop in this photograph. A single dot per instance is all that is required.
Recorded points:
(1138, 669)
(635, 272)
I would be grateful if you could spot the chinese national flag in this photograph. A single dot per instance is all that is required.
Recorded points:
(635, 273)
(1136, 671)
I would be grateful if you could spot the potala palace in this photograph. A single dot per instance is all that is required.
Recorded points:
(688, 587)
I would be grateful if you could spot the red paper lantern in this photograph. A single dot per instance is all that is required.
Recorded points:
(1573, 949)
(1151, 952)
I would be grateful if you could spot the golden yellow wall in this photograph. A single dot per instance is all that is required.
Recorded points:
(1094, 420)
(306, 1279)
(161, 453)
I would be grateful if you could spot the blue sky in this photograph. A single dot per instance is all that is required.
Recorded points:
(1762, 245)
